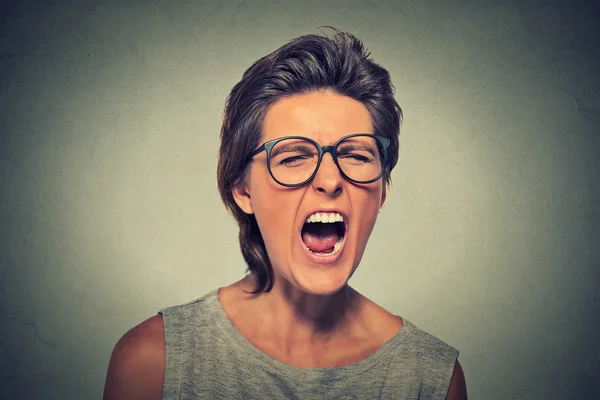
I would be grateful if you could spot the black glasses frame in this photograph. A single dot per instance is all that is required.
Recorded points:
(382, 142)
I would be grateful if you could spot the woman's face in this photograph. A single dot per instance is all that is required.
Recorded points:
(281, 212)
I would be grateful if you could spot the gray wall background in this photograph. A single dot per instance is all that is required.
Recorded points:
(109, 211)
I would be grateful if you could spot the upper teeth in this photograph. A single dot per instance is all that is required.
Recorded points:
(325, 217)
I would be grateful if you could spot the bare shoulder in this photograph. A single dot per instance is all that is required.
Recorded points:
(137, 364)
(387, 323)
(458, 386)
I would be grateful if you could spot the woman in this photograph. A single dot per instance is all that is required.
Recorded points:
(308, 142)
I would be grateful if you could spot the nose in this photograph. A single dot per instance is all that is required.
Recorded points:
(328, 179)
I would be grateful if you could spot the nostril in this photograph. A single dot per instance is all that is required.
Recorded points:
(335, 191)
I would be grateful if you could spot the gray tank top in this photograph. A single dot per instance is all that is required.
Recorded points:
(207, 358)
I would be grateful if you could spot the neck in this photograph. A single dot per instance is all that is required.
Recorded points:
(297, 321)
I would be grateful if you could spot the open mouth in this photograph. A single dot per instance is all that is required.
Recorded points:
(323, 238)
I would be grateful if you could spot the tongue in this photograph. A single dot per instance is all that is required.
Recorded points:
(319, 237)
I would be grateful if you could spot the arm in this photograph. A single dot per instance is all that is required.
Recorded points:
(458, 386)
(137, 364)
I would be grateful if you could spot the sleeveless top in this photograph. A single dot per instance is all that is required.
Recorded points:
(208, 358)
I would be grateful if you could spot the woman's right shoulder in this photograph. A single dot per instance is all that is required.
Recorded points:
(137, 364)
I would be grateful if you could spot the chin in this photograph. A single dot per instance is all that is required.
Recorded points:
(321, 281)
(322, 289)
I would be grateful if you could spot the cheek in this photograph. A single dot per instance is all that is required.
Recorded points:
(276, 229)
(274, 211)
(269, 204)
(263, 194)
(368, 220)
(369, 207)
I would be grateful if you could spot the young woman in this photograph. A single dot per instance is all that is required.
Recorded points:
(308, 142)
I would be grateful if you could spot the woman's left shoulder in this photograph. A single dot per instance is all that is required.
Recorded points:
(439, 359)
(424, 340)
(458, 384)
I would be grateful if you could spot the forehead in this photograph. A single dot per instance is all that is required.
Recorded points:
(324, 116)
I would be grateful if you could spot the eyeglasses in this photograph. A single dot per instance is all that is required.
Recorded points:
(294, 160)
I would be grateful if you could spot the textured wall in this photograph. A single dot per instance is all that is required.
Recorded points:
(109, 211)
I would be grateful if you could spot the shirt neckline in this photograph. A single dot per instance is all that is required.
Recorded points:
(294, 373)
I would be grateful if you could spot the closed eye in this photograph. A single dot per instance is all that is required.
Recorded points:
(357, 157)
(291, 161)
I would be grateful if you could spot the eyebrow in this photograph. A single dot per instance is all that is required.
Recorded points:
(290, 148)
(352, 146)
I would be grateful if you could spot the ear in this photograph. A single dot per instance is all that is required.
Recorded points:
(241, 195)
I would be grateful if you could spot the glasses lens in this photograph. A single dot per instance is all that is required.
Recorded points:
(293, 161)
(360, 158)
